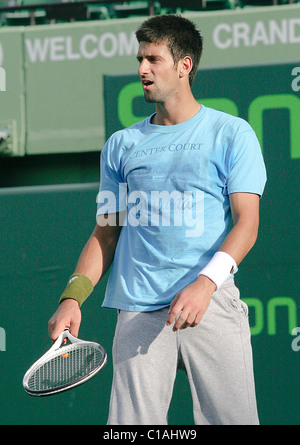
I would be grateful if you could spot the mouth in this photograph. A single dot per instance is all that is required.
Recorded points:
(146, 84)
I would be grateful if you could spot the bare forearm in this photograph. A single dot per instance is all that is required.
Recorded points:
(90, 262)
(243, 235)
(98, 253)
(240, 240)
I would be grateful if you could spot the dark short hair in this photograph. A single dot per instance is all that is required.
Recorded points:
(183, 37)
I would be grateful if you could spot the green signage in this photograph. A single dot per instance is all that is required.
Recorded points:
(247, 92)
(54, 73)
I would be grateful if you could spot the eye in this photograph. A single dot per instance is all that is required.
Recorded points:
(153, 59)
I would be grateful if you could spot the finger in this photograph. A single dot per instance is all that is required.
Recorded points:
(184, 326)
(196, 320)
(56, 333)
(182, 320)
(56, 328)
(189, 322)
(74, 330)
(173, 311)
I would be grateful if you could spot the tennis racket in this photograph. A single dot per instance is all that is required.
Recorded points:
(64, 366)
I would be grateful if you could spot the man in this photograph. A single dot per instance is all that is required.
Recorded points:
(179, 176)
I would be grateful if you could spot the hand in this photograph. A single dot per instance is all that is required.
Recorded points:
(191, 303)
(67, 315)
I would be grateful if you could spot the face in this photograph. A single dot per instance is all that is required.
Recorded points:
(158, 73)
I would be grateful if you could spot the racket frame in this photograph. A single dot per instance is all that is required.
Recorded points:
(52, 353)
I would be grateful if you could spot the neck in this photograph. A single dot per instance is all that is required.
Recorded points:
(175, 112)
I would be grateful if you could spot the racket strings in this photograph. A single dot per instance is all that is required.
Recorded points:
(69, 365)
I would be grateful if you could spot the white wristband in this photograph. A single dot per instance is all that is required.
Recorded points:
(220, 267)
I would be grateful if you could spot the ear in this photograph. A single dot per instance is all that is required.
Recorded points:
(185, 66)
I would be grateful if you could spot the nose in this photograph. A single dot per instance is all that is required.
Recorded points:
(143, 68)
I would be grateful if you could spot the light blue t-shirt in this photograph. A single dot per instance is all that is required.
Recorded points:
(174, 181)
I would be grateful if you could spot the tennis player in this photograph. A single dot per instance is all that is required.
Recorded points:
(170, 187)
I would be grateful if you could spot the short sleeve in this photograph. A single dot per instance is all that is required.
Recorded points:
(112, 191)
(246, 168)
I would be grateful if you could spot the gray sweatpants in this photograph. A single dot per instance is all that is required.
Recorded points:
(216, 356)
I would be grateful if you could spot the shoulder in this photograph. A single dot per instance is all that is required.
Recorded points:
(122, 140)
(225, 122)
(126, 134)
